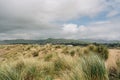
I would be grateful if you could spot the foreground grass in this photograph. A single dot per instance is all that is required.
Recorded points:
(61, 67)
(33, 62)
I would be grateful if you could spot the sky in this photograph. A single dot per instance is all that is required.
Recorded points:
(69, 19)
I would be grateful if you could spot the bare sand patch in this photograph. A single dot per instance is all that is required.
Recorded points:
(114, 55)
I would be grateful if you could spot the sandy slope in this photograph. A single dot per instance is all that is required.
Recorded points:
(114, 55)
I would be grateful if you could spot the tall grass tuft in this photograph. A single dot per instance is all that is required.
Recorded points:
(102, 51)
(88, 68)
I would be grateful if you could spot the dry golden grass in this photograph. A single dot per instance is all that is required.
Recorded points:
(50, 62)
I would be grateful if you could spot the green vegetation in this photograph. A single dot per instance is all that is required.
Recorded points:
(89, 67)
(83, 42)
(103, 51)
(100, 50)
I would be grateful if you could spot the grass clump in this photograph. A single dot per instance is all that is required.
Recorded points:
(48, 57)
(35, 54)
(88, 68)
(102, 51)
(72, 53)
(94, 68)
(91, 47)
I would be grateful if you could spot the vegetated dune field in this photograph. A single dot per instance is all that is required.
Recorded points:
(59, 62)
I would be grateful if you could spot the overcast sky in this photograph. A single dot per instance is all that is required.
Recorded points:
(70, 19)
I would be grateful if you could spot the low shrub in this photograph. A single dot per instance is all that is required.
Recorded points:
(35, 54)
(91, 47)
(48, 57)
(72, 53)
(102, 51)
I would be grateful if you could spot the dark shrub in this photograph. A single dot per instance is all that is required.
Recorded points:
(72, 53)
(102, 51)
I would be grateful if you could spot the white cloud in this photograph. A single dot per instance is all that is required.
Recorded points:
(82, 28)
(104, 30)
(70, 28)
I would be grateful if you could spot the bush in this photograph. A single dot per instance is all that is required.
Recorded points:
(35, 54)
(86, 51)
(72, 53)
(48, 57)
(92, 47)
(102, 51)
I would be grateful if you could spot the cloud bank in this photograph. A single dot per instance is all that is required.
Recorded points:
(38, 19)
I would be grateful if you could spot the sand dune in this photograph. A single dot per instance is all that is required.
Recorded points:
(114, 55)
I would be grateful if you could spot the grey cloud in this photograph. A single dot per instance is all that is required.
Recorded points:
(36, 18)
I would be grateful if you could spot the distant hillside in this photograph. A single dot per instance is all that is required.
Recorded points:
(45, 41)
(81, 42)
(100, 41)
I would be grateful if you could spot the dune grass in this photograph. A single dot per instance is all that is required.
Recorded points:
(63, 67)
(52, 62)
(89, 67)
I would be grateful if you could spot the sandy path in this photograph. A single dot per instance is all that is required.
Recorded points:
(114, 55)
(2, 52)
